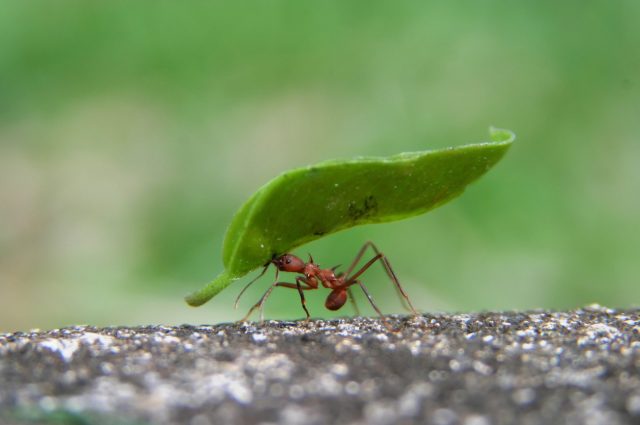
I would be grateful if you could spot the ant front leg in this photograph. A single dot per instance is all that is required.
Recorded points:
(266, 266)
(404, 298)
(300, 288)
(259, 304)
(263, 299)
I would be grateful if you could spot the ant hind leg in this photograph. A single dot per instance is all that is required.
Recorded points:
(352, 300)
(404, 298)
(373, 304)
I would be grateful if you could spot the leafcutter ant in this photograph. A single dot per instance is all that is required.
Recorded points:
(311, 275)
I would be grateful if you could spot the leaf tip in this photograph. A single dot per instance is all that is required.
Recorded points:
(501, 135)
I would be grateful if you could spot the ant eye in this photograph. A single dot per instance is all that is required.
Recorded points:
(288, 261)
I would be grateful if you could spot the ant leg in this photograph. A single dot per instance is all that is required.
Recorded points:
(373, 304)
(404, 298)
(259, 304)
(359, 255)
(300, 289)
(353, 301)
(302, 300)
(266, 266)
(263, 299)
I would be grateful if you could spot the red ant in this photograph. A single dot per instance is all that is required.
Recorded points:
(339, 284)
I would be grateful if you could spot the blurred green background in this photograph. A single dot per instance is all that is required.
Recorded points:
(130, 132)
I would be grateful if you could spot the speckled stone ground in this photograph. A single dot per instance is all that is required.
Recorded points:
(574, 367)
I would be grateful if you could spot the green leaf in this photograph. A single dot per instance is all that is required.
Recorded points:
(307, 203)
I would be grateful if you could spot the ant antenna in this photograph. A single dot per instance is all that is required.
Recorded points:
(264, 270)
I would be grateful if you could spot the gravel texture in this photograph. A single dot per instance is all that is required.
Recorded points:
(574, 367)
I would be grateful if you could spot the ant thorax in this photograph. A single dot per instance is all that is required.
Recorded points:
(311, 270)
(327, 274)
(314, 274)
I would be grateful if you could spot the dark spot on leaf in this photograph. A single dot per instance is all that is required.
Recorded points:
(319, 232)
(366, 208)
(370, 204)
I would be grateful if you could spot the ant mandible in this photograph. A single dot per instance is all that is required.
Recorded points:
(340, 284)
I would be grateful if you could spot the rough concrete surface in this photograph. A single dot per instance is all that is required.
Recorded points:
(574, 367)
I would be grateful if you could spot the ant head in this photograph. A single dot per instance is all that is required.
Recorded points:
(289, 263)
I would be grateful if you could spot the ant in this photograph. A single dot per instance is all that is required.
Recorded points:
(311, 275)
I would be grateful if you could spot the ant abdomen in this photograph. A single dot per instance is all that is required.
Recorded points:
(336, 299)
